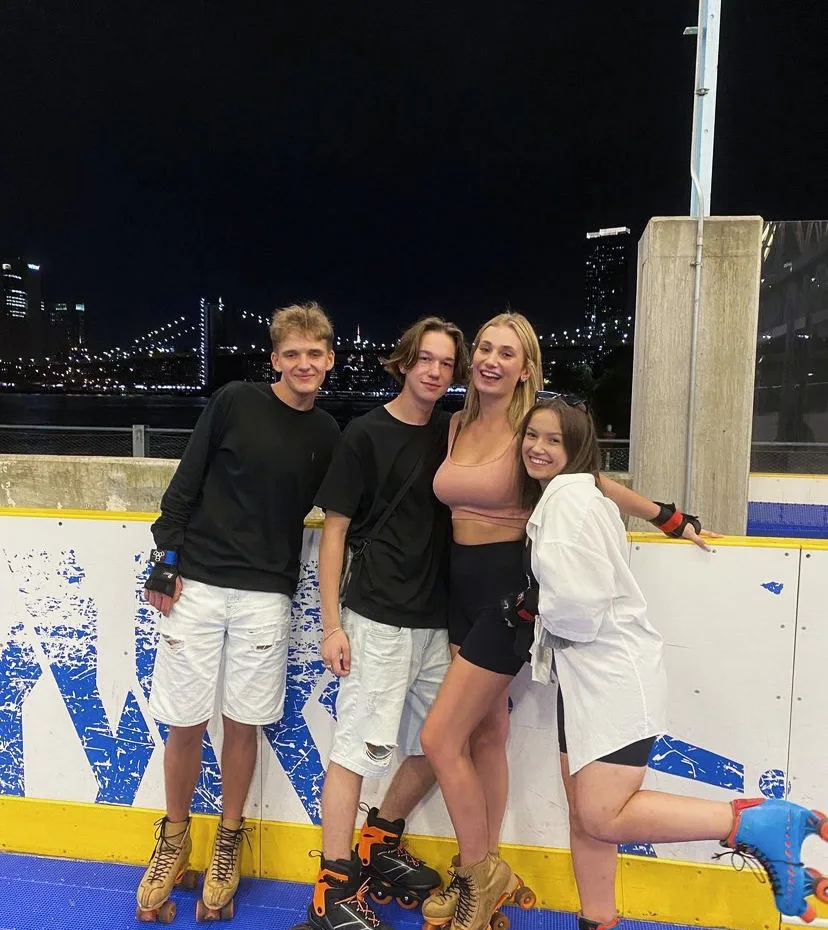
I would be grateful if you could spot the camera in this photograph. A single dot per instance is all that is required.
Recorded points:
(520, 608)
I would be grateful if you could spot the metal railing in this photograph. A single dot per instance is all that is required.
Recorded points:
(810, 458)
(137, 441)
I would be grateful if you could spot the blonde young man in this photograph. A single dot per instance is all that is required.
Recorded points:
(224, 572)
(389, 644)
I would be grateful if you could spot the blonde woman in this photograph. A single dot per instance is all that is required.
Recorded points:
(465, 734)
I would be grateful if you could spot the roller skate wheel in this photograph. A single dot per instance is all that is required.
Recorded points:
(379, 896)
(525, 898)
(822, 828)
(499, 921)
(206, 914)
(820, 885)
(408, 902)
(189, 880)
(163, 914)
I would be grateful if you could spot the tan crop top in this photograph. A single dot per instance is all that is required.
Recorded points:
(488, 492)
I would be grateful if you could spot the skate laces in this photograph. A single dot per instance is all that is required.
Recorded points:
(407, 857)
(450, 890)
(742, 857)
(467, 902)
(362, 909)
(226, 851)
(166, 852)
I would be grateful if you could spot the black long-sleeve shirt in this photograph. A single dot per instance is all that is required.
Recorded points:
(235, 508)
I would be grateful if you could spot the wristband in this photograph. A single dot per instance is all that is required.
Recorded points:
(164, 557)
(672, 522)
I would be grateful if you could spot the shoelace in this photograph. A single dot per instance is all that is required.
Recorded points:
(408, 857)
(451, 889)
(362, 909)
(466, 903)
(227, 848)
(165, 852)
(746, 857)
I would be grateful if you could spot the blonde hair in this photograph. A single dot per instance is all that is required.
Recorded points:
(308, 318)
(523, 397)
(407, 349)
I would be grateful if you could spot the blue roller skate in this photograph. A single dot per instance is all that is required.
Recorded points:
(772, 832)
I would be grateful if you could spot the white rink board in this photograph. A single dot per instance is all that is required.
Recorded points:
(809, 717)
(76, 644)
(729, 646)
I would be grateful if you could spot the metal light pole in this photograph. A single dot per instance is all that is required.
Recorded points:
(701, 177)
(704, 108)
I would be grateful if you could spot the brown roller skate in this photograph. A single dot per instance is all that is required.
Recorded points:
(440, 909)
(168, 867)
(222, 876)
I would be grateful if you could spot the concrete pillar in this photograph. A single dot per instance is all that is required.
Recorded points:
(725, 366)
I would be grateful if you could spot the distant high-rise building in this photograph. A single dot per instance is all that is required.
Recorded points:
(21, 309)
(607, 280)
(65, 327)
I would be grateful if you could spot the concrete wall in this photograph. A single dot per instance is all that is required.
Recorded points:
(725, 359)
(74, 482)
(77, 482)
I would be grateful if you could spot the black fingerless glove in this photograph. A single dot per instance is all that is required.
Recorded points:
(672, 522)
(164, 572)
(520, 608)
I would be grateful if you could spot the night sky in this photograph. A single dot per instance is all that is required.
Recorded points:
(388, 159)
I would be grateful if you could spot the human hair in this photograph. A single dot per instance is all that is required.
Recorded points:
(524, 393)
(307, 318)
(580, 443)
(407, 349)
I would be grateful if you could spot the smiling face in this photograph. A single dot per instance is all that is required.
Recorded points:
(303, 363)
(433, 371)
(544, 455)
(498, 363)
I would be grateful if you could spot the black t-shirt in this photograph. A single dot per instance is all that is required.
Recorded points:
(235, 508)
(402, 577)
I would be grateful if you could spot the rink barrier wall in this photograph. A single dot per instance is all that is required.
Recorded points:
(80, 771)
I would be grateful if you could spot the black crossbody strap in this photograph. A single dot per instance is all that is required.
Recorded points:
(385, 515)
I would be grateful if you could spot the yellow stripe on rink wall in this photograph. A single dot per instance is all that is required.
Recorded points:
(316, 520)
(649, 889)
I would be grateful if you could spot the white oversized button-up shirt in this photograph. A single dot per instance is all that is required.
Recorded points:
(592, 617)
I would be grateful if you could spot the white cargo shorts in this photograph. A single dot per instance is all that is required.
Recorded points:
(384, 700)
(249, 630)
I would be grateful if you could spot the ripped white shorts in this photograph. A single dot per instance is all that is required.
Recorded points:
(382, 703)
(249, 630)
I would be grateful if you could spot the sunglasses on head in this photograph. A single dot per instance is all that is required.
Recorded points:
(571, 400)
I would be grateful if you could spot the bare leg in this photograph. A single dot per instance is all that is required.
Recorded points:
(411, 783)
(593, 862)
(612, 809)
(182, 764)
(340, 803)
(238, 761)
(487, 745)
(468, 694)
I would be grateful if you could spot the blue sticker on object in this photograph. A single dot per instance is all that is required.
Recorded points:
(772, 784)
(775, 587)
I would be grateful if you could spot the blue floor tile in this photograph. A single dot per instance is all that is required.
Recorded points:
(65, 894)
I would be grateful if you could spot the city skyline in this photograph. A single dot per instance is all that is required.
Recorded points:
(34, 328)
